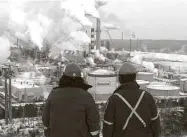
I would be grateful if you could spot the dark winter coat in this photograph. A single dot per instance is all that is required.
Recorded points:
(117, 112)
(71, 112)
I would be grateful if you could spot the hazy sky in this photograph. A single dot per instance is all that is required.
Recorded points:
(154, 19)
(149, 19)
(3, 15)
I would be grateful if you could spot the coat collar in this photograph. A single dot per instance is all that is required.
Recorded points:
(128, 86)
(84, 86)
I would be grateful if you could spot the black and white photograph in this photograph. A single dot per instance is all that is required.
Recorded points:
(93, 68)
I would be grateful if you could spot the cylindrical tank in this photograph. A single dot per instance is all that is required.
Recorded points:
(163, 89)
(104, 83)
(147, 76)
(143, 84)
(183, 85)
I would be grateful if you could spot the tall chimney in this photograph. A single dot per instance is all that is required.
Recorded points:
(98, 31)
(92, 38)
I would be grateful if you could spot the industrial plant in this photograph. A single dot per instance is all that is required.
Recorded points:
(41, 38)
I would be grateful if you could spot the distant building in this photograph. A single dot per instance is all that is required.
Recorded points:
(146, 45)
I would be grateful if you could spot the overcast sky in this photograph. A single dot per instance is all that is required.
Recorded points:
(149, 19)
(152, 19)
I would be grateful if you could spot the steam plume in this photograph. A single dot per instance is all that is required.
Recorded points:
(55, 21)
(4, 48)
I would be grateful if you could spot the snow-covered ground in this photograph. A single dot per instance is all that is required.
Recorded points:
(176, 62)
(164, 56)
(23, 127)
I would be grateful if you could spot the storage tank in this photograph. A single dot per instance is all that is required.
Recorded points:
(104, 83)
(183, 85)
(143, 84)
(147, 76)
(163, 89)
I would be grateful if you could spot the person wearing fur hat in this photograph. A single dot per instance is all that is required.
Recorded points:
(70, 111)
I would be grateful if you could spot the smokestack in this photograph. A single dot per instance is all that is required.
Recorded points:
(92, 38)
(98, 31)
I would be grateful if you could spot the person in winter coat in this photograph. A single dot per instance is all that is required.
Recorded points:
(70, 111)
(130, 112)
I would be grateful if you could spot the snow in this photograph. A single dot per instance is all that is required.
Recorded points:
(164, 56)
(102, 72)
(145, 73)
(22, 83)
(21, 127)
(183, 94)
(23, 86)
(1, 87)
(23, 104)
(42, 67)
(32, 77)
(185, 79)
(142, 82)
(162, 87)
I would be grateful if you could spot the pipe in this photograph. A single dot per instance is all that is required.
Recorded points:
(98, 31)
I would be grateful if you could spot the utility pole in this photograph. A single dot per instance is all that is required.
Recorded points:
(10, 95)
(122, 36)
(130, 45)
(6, 96)
(98, 31)
(137, 44)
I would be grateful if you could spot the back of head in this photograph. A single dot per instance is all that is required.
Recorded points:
(127, 73)
(72, 77)
(72, 70)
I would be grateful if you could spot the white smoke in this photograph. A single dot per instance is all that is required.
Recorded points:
(103, 49)
(182, 50)
(55, 21)
(145, 48)
(80, 37)
(91, 61)
(164, 56)
(45, 94)
(138, 59)
(4, 18)
(108, 26)
(100, 56)
(178, 61)
(4, 48)
(77, 9)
